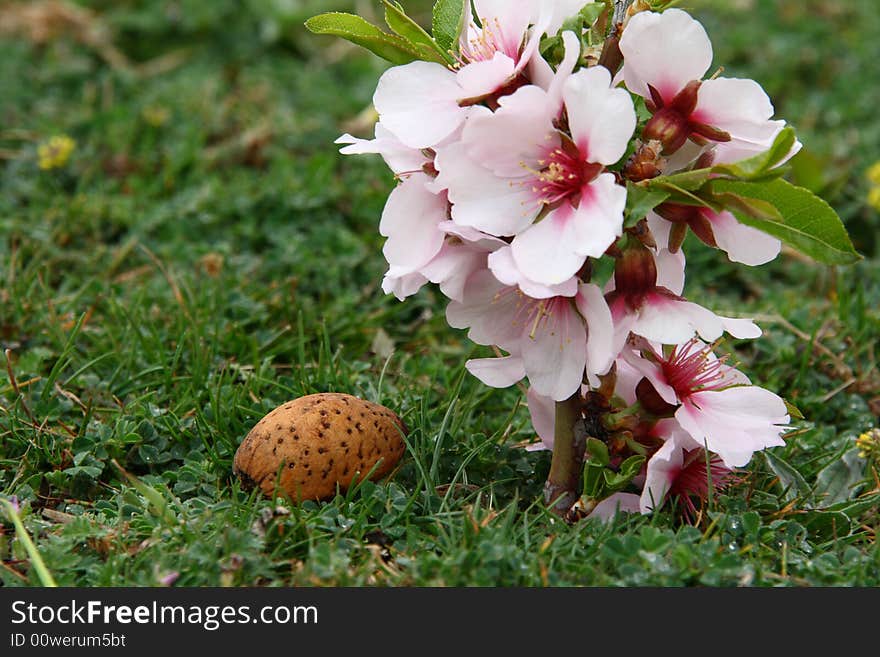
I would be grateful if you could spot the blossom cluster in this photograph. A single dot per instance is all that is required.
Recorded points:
(515, 169)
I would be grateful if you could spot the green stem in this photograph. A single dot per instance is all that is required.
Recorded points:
(562, 488)
(37, 562)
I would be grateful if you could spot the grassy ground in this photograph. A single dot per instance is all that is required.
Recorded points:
(205, 255)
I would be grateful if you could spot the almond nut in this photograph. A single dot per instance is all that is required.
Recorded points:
(310, 445)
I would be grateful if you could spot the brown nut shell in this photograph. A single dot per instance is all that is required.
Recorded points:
(309, 445)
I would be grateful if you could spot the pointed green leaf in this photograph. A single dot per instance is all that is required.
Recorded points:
(597, 452)
(640, 200)
(391, 47)
(448, 23)
(407, 28)
(839, 480)
(688, 180)
(827, 525)
(807, 223)
(793, 483)
(750, 206)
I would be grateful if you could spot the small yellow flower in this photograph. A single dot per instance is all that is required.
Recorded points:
(869, 443)
(54, 153)
(874, 198)
(156, 115)
(873, 173)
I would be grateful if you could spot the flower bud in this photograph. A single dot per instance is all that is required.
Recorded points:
(671, 124)
(668, 127)
(635, 273)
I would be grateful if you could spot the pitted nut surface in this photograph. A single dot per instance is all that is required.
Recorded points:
(309, 445)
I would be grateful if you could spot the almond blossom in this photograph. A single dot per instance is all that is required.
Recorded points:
(492, 57)
(680, 469)
(715, 404)
(552, 341)
(665, 58)
(645, 299)
(548, 190)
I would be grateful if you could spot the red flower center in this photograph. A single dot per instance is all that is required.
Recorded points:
(691, 368)
(563, 176)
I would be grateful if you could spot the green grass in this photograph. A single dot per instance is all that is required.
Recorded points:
(180, 278)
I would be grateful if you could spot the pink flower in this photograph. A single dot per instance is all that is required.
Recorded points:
(665, 58)
(410, 221)
(678, 469)
(644, 298)
(513, 167)
(713, 402)
(425, 103)
(552, 341)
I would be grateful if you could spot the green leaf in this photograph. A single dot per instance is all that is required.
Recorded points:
(687, 180)
(598, 452)
(752, 207)
(448, 23)
(391, 47)
(33, 553)
(640, 200)
(807, 223)
(632, 466)
(793, 483)
(614, 481)
(158, 503)
(856, 507)
(591, 12)
(838, 481)
(827, 525)
(760, 165)
(407, 28)
(793, 411)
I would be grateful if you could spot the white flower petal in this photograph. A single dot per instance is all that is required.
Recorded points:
(489, 309)
(480, 199)
(407, 94)
(544, 252)
(670, 269)
(557, 355)
(497, 372)
(598, 219)
(516, 135)
(736, 422)
(744, 329)
(602, 119)
(742, 243)
(665, 50)
(608, 508)
(663, 468)
(409, 221)
(451, 268)
(483, 78)
(543, 414)
(404, 285)
(600, 329)
(669, 321)
(399, 157)
(504, 267)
